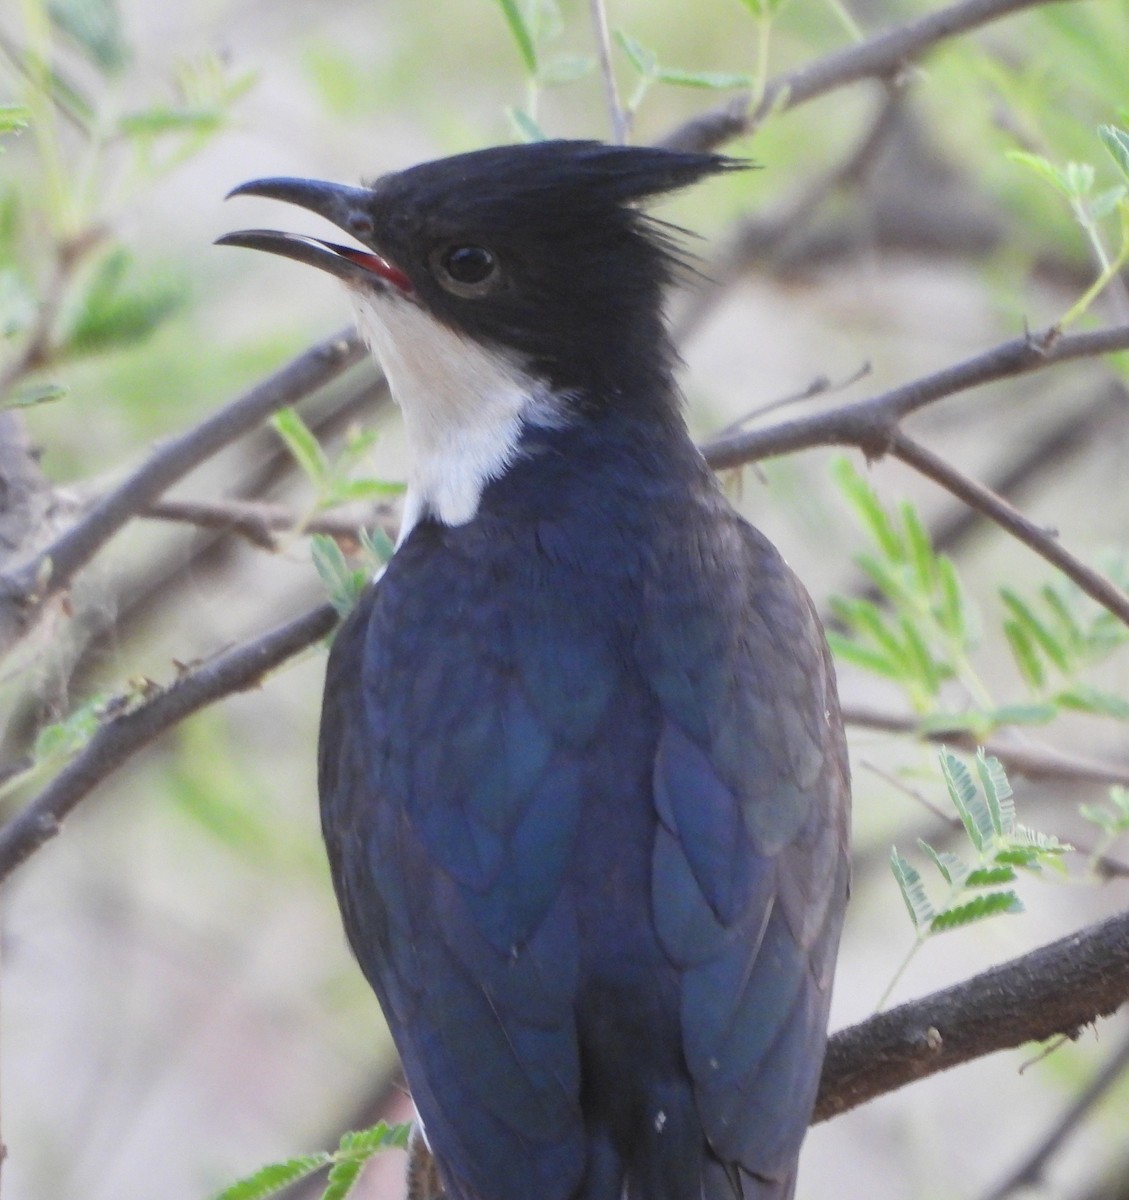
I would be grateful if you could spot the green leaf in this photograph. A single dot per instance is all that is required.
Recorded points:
(521, 34)
(1083, 697)
(928, 670)
(273, 1178)
(1079, 179)
(862, 656)
(954, 870)
(867, 619)
(113, 312)
(951, 611)
(715, 80)
(886, 578)
(303, 445)
(28, 395)
(377, 544)
(918, 905)
(343, 583)
(347, 491)
(343, 1177)
(973, 813)
(979, 908)
(95, 26)
(565, 69)
(920, 547)
(869, 510)
(1023, 652)
(162, 119)
(1021, 714)
(1106, 201)
(1022, 612)
(380, 1136)
(645, 61)
(1042, 167)
(997, 794)
(525, 126)
(1116, 141)
(13, 117)
(1071, 631)
(990, 876)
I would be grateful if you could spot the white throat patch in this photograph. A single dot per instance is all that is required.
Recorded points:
(463, 405)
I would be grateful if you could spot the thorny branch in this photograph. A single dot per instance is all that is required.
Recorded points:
(872, 426)
(1031, 761)
(1057, 989)
(235, 670)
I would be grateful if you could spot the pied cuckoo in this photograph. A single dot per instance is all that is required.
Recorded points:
(583, 779)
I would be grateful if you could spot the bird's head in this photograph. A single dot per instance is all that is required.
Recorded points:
(524, 269)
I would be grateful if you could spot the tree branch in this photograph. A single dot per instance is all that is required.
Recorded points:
(25, 588)
(1045, 544)
(869, 424)
(881, 57)
(258, 521)
(1030, 761)
(1057, 989)
(1030, 1172)
(237, 669)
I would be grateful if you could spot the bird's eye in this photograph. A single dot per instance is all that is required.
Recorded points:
(466, 270)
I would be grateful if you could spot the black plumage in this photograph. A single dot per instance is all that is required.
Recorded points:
(583, 779)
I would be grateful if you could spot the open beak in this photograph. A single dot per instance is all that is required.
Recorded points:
(347, 207)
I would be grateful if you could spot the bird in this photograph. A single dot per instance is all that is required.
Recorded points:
(583, 780)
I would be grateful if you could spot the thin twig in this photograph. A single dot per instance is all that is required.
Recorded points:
(883, 56)
(977, 496)
(1058, 989)
(869, 424)
(25, 588)
(258, 522)
(621, 124)
(1042, 763)
(1030, 1172)
(238, 669)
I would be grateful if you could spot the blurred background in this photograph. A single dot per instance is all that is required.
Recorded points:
(177, 1003)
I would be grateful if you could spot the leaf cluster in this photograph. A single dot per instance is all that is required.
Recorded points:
(345, 1165)
(332, 479)
(1000, 847)
(919, 632)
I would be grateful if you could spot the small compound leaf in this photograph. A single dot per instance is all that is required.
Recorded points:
(13, 117)
(343, 1177)
(303, 445)
(1083, 697)
(921, 911)
(990, 876)
(644, 61)
(521, 34)
(1116, 141)
(715, 80)
(997, 794)
(380, 1136)
(565, 69)
(273, 1178)
(1024, 653)
(954, 870)
(979, 908)
(525, 126)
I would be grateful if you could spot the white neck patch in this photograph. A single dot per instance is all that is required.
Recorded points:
(463, 405)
